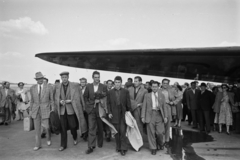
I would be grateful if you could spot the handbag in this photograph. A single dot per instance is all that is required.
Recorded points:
(28, 124)
(2, 111)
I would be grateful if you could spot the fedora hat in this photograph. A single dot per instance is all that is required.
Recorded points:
(39, 75)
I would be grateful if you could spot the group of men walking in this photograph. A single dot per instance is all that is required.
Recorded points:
(81, 110)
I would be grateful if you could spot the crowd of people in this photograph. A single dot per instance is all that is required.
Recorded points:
(95, 110)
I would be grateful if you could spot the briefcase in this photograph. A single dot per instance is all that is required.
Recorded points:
(28, 124)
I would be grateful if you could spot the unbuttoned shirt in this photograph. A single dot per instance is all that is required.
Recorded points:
(165, 93)
(154, 100)
(83, 90)
(95, 87)
(193, 91)
(6, 91)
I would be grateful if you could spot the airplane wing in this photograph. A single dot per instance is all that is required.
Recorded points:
(217, 64)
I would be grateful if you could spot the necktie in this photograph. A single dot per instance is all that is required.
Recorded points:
(40, 91)
(156, 100)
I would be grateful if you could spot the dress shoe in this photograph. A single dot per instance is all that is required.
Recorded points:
(99, 146)
(123, 153)
(89, 150)
(166, 144)
(1, 123)
(75, 142)
(117, 150)
(228, 133)
(161, 147)
(43, 135)
(49, 143)
(154, 152)
(108, 139)
(6, 123)
(36, 148)
(61, 148)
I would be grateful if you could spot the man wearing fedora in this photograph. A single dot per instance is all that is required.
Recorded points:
(206, 100)
(68, 103)
(41, 105)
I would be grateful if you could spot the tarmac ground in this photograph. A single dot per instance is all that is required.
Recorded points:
(186, 143)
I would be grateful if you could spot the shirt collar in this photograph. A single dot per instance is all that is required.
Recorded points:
(118, 89)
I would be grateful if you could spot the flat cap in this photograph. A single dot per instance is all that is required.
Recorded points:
(64, 73)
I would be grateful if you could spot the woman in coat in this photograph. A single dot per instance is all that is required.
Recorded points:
(179, 106)
(225, 114)
(22, 100)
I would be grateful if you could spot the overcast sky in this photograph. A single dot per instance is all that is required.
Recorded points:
(28, 27)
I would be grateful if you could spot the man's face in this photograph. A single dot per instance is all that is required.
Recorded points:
(83, 83)
(155, 87)
(64, 78)
(7, 85)
(203, 88)
(39, 81)
(193, 86)
(45, 81)
(175, 84)
(165, 84)
(96, 78)
(137, 83)
(118, 84)
(238, 85)
(109, 84)
(147, 85)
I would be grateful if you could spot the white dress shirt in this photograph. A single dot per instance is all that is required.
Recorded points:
(6, 91)
(83, 90)
(154, 101)
(95, 87)
(39, 88)
(193, 91)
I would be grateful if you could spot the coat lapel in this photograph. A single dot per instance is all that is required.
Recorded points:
(72, 89)
(139, 93)
(36, 91)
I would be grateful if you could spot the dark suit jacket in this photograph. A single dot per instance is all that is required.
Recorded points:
(184, 100)
(206, 100)
(89, 98)
(112, 104)
(192, 99)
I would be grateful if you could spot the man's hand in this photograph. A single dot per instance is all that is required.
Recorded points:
(171, 103)
(110, 116)
(68, 101)
(143, 120)
(138, 104)
(97, 100)
(165, 120)
(62, 102)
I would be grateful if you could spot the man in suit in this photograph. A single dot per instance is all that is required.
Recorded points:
(237, 103)
(206, 100)
(137, 94)
(192, 97)
(41, 104)
(68, 103)
(118, 102)
(106, 127)
(95, 129)
(7, 102)
(83, 84)
(186, 111)
(154, 113)
(170, 95)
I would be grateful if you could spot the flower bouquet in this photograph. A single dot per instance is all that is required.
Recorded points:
(98, 96)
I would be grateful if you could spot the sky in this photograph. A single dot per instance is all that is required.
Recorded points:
(29, 27)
